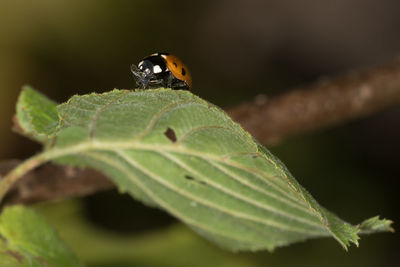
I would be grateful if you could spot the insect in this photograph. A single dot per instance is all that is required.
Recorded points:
(162, 70)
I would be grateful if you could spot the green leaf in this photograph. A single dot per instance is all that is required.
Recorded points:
(37, 115)
(27, 240)
(175, 151)
(375, 224)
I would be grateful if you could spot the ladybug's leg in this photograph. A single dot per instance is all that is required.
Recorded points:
(169, 81)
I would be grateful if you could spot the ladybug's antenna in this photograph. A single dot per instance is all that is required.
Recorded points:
(137, 75)
(136, 72)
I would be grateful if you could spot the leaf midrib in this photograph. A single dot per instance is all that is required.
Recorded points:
(112, 146)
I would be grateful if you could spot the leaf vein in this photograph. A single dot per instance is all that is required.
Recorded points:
(195, 129)
(97, 114)
(159, 201)
(186, 194)
(241, 197)
(157, 116)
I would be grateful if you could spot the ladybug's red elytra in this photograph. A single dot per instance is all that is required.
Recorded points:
(162, 70)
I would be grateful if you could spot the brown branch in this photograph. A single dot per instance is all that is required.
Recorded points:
(323, 104)
(326, 103)
(51, 182)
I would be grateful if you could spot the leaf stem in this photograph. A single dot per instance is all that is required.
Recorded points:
(18, 172)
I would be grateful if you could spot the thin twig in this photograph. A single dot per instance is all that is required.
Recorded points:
(17, 173)
(323, 104)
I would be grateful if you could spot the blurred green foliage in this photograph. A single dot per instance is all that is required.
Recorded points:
(27, 240)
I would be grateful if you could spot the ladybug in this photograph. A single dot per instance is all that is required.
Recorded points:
(162, 70)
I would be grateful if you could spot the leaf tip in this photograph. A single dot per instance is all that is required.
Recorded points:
(375, 224)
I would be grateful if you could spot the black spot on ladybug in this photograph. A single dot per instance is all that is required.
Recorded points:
(176, 65)
(190, 178)
(183, 71)
(170, 134)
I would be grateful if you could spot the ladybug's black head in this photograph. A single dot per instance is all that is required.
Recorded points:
(142, 75)
(151, 70)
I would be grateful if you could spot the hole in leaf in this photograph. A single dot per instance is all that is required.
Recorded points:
(170, 134)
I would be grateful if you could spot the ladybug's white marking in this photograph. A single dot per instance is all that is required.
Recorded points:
(164, 56)
(140, 64)
(157, 69)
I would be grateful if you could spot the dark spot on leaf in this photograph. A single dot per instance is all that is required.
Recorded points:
(190, 178)
(183, 71)
(170, 134)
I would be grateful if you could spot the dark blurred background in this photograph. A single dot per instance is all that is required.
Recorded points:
(235, 50)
